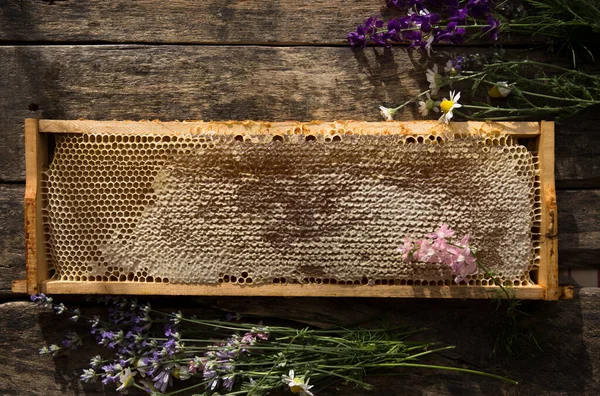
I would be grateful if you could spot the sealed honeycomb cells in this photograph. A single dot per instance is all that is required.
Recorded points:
(290, 208)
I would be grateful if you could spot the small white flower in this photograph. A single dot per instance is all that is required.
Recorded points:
(450, 69)
(428, 44)
(447, 105)
(181, 371)
(96, 361)
(500, 90)
(387, 113)
(126, 379)
(142, 365)
(426, 105)
(89, 376)
(435, 79)
(297, 384)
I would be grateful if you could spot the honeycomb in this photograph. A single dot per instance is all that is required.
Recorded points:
(325, 208)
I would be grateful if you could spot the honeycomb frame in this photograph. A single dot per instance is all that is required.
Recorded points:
(47, 271)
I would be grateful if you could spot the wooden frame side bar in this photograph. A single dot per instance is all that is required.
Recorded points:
(36, 156)
(548, 272)
(175, 128)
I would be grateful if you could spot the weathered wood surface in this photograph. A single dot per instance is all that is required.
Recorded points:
(577, 151)
(230, 83)
(568, 332)
(185, 21)
(578, 225)
(579, 228)
(12, 236)
(275, 81)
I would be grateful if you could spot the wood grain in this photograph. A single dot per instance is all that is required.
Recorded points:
(12, 236)
(578, 225)
(579, 228)
(566, 330)
(176, 128)
(186, 21)
(36, 158)
(550, 292)
(225, 83)
(548, 271)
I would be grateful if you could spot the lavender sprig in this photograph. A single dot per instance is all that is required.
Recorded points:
(147, 349)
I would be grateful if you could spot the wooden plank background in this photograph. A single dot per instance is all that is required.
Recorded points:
(276, 61)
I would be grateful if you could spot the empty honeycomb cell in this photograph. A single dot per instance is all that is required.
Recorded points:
(205, 209)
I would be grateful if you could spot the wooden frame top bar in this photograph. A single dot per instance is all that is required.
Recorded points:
(517, 129)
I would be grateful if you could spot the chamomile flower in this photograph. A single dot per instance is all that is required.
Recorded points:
(500, 90)
(435, 79)
(426, 105)
(447, 105)
(126, 379)
(297, 384)
(387, 113)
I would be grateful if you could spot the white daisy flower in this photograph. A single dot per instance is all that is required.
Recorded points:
(447, 105)
(387, 113)
(297, 384)
(126, 379)
(435, 79)
(500, 90)
(427, 105)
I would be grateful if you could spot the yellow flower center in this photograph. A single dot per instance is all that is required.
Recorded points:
(295, 389)
(128, 381)
(446, 105)
(176, 373)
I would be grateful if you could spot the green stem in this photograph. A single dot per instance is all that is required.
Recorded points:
(448, 368)
(187, 389)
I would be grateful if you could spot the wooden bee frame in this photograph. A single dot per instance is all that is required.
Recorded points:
(539, 135)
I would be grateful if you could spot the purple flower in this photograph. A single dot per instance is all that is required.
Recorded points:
(72, 340)
(171, 331)
(459, 15)
(492, 28)
(111, 338)
(111, 373)
(358, 38)
(395, 28)
(163, 379)
(228, 381)
(369, 27)
(41, 300)
(452, 33)
(478, 7)
(456, 63)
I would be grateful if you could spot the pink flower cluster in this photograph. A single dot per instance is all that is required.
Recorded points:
(458, 255)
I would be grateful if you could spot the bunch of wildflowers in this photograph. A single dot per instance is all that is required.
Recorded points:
(458, 255)
(511, 90)
(145, 349)
(422, 28)
(426, 100)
